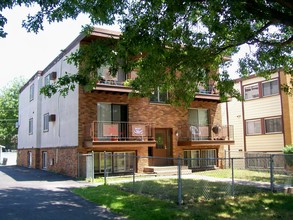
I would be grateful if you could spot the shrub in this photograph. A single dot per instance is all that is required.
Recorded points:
(288, 149)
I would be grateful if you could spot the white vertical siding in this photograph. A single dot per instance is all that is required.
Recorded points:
(28, 109)
(62, 132)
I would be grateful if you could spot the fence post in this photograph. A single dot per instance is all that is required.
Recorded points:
(78, 165)
(179, 182)
(105, 168)
(272, 172)
(93, 166)
(233, 183)
(134, 168)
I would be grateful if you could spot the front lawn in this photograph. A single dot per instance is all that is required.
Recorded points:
(157, 199)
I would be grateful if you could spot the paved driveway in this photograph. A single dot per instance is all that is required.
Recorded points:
(35, 194)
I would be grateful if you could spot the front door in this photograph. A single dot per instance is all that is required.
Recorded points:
(163, 149)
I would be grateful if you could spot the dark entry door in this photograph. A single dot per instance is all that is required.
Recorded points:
(163, 147)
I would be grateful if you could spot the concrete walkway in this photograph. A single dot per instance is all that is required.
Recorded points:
(35, 194)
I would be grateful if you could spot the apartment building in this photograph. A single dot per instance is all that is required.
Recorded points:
(263, 122)
(54, 132)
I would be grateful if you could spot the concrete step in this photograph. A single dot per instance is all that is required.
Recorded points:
(166, 170)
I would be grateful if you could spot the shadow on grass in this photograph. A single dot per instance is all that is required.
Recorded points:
(148, 206)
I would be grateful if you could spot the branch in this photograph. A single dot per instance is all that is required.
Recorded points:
(261, 11)
(250, 38)
(282, 44)
(286, 4)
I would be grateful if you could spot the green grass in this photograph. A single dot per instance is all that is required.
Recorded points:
(142, 206)
(248, 175)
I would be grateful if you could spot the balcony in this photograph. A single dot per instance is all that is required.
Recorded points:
(120, 133)
(209, 93)
(192, 134)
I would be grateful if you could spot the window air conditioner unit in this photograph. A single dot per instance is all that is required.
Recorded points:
(53, 75)
(52, 117)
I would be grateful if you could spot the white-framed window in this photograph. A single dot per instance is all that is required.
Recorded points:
(32, 92)
(270, 88)
(46, 122)
(251, 92)
(273, 125)
(44, 160)
(158, 96)
(253, 127)
(30, 126)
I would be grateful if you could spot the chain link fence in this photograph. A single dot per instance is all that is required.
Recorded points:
(189, 180)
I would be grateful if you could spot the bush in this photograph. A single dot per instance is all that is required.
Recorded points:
(288, 149)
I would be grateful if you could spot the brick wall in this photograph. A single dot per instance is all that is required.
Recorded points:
(60, 159)
(22, 157)
(141, 110)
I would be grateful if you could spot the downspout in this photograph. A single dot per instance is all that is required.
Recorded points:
(243, 118)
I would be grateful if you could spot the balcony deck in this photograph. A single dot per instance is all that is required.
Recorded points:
(113, 134)
(117, 86)
(201, 135)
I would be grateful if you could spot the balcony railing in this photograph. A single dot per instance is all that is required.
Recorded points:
(112, 82)
(122, 131)
(207, 90)
(215, 132)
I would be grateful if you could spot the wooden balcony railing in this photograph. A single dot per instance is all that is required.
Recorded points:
(122, 131)
(195, 132)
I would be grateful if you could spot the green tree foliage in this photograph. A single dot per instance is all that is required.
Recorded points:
(181, 43)
(288, 151)
(9, 113)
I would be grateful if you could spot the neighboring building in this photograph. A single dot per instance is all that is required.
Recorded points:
(263, 122)
(54, 132)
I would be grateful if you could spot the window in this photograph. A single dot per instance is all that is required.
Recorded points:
(158, 96)
(30, 126)
(273, 125)
(108, 113)
(198, 120)
(47, 79)
(46, 122)
(123, 161)
(193, 158)
(32, 91)
(200, 158)
(251, 92)
(253, 127)
(270, 88)
(210, 156)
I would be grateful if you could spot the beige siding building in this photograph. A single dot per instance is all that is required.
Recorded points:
(263, 121)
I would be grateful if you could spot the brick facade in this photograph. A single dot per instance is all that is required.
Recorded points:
(141, 110)
(64, 160)
(59, 159)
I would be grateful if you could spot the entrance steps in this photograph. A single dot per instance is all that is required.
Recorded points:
(166, 170)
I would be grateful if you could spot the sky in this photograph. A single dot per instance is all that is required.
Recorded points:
(22, 54)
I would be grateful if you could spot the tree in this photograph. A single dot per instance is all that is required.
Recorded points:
(182, 42)
(9, 113)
